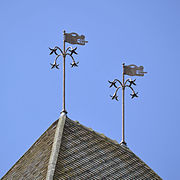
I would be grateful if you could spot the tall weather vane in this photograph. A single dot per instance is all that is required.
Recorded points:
(131, 70)
(72, 38)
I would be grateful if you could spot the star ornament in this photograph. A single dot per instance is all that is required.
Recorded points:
(133, 95)
(114, 97)
(54, 65)
(73, 51)
(53, 51)
(132, 82)
(113, 83)
(74, 64)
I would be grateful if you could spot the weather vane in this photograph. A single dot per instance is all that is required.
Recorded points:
(72, 38)
(131, 70)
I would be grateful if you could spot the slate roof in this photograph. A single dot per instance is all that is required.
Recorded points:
(81, 154)
(34, 163)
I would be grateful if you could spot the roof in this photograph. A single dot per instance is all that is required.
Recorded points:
(69, 150)
(33, 164)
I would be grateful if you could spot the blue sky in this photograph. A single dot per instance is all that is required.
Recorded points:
(134, 32)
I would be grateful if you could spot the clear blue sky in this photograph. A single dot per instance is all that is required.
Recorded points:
(135, 32)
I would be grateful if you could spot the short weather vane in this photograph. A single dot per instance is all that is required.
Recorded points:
(131, 70)
(72, 38)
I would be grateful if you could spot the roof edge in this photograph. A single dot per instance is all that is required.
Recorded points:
(56, 147)
(28, 150)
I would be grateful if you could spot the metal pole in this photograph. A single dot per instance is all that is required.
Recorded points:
(64, 56)
(123, 88)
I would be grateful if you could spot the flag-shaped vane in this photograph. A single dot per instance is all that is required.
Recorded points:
(74, 38)
(133, 70)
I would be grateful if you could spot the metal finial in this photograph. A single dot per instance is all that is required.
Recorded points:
(131, 70)
(70, 51)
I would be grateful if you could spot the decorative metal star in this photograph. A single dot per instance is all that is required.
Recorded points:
(114, 97)
(112, 83)
(74, 64)
(131, 82)
(73, 51)
(133, 95)
(53, 51)
(55, 65)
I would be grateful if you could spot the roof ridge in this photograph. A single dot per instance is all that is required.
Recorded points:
(56, 147)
